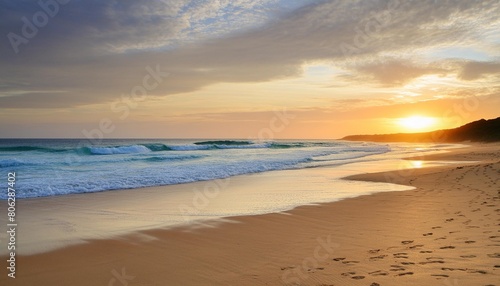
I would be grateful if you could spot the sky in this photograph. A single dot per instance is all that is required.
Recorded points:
(257, 69)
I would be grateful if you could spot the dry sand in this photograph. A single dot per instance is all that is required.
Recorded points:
(446, 232)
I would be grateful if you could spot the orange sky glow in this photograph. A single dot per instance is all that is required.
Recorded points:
(281, 69)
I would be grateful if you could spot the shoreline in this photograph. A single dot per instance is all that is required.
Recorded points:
(331, 243)
(71, 219)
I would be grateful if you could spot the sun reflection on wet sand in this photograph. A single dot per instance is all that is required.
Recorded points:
(417, 164)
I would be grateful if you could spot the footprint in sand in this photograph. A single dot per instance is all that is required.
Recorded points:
(470, 241)
(407, 241)
(404, 274)
(379, 273)
(440, 275)
(494, 255)
(467, 256)
(425, 251)
(314, 269)
(353, 275)
(339, 259)
(400, 255)
(359, 277)
(378, 257)
(373, 251)
(396, 267)
(416, 246)
(350, 262)
(447, 247)
(435, 227)
(431, 262)
(453, 269)
(427, 234)
(476, 271)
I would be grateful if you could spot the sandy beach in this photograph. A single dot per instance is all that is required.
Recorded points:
(445, 232)
(270, 142)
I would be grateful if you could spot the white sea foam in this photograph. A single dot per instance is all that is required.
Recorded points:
(131, 164)
(119, 150)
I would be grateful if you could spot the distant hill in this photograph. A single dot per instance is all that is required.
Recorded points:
(477, 131)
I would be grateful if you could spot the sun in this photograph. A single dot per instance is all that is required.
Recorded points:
(417, 122)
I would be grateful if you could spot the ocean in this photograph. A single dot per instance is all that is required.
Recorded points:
(107, 179)
(51, 167)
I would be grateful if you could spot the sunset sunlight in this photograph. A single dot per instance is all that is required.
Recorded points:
(417, 123)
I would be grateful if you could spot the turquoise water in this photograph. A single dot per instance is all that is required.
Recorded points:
(49, 167)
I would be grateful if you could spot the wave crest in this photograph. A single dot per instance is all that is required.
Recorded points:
(224, 142)
(10, 163)
(118, 150)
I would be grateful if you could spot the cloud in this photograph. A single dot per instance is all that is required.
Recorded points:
(94, 51)
(476, 70)
(97, 27)
(392, 72)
